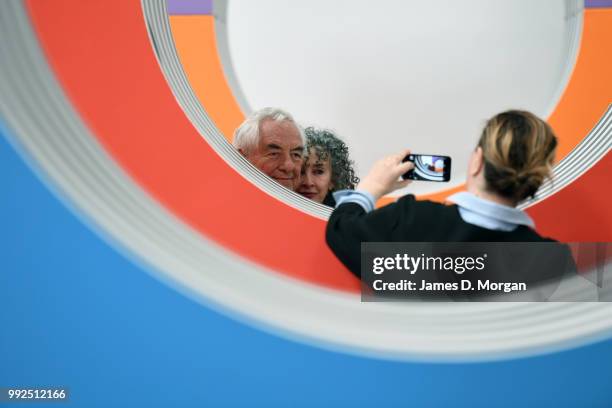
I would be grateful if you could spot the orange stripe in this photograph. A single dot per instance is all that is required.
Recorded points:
(589, 91)
(194, 38)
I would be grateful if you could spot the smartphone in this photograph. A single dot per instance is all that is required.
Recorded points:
(428, 167)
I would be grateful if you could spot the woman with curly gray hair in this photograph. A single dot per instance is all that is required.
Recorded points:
(327, 167)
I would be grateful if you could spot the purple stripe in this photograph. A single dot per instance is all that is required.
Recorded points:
(189, 6)
(597, 3)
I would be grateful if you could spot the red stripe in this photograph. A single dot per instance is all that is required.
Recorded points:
(581, 212)
(101, 54)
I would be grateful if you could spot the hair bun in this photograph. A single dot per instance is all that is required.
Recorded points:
(518, 151)
(532, 179)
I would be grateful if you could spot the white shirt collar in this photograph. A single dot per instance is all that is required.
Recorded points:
(490, 215)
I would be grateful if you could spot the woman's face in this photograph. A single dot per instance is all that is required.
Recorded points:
(316, 178)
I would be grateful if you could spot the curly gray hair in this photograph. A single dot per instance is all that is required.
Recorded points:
(327, 144)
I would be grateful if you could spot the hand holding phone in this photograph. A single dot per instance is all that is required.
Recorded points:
(384, 175)
(428, 167)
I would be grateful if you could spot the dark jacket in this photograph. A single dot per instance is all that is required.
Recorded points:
(408, 220)
(329, 200)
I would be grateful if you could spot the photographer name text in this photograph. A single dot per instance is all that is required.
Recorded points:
(463, 285)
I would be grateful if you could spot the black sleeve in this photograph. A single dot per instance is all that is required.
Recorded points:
(349, 226)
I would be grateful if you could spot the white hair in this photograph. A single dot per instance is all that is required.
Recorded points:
(246, 135)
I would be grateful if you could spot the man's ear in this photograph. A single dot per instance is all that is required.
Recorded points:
(476, 162)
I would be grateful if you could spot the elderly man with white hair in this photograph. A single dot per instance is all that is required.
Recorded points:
(274, 143)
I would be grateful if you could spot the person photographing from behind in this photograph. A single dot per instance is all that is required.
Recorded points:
(513, 157)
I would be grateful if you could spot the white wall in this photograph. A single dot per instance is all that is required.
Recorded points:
(392, 74)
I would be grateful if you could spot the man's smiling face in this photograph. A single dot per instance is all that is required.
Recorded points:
(279, 153)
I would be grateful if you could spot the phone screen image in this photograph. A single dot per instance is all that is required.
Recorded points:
(428, 167)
